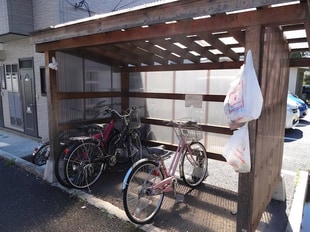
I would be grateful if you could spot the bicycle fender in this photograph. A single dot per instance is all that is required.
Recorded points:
(125, 181)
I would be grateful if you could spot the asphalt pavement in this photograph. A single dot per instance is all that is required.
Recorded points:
(28, 203)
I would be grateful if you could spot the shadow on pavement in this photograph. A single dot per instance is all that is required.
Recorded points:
(292, 134)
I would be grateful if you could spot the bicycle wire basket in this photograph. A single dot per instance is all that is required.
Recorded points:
(134, 119)
(189, 129)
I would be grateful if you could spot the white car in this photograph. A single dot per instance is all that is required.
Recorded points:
(292, 114)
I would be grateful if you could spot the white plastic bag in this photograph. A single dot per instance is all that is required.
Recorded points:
(237, 150)
(244, 99)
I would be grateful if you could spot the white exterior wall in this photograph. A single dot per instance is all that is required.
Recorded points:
(4, 17)
(41, 101)
(292, 80)
(14, 50)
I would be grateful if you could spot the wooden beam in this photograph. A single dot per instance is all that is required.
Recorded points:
(179, 10)
(124, 90)
(307, 24)
(268, 17)
(171, 47)
(175, 96)
(300, 62)
(158, 51)
(81, 95)
(177, 67)
(217, 44)
(192, 45)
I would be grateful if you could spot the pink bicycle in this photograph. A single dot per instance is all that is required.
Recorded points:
(148, 180)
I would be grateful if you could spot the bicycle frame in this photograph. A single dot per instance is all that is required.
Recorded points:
(169, 175)
(103, 136)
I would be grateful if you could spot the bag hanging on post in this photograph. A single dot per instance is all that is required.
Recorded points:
(244, 99)
(237, 150)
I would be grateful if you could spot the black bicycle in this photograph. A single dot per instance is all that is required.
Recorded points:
(87, 159)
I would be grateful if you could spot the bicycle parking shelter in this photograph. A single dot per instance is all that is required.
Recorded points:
(125, 41)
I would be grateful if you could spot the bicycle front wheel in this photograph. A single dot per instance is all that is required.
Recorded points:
(194, 164)
(84, 165)
(141, 202)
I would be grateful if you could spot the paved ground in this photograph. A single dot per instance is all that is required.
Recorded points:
(29, 204)
(211, 207)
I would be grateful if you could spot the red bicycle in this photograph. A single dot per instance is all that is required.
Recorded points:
(86, 161)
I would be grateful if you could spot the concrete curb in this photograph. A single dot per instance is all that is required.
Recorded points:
(19, 162)
(296, 212)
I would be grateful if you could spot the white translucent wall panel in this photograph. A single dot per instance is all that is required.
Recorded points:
(162, 133)
(191, 82)
(159, 82)
(215, 114)
(71, 110)
(215, 142)
(160, 108)
(98, 77)
(181, 111)
(218, 81)
(137, 82)
(70, 73)
(116, 81)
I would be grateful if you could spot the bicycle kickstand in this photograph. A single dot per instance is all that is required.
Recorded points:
(178, 197)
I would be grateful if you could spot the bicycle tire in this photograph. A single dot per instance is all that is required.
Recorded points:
(40, 156)
(135, 147)
(84, 165)
(140, 203)
(194, 168)
(60, 162)
(118, 149)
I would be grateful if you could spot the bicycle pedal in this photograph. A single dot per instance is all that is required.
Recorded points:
(179, 197)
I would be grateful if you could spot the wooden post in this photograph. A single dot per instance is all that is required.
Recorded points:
(52, 109)
(253, 42)
(124, 90)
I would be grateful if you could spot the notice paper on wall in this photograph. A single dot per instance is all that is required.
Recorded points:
(194, 100)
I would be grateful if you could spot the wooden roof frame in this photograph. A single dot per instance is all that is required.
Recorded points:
(134, 34)
(119, 40)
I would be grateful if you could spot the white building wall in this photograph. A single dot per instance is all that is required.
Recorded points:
(292, 80)
(4, 17)
(14, 51)
(41, 100)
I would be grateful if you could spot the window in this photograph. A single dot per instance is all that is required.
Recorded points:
(43, 81)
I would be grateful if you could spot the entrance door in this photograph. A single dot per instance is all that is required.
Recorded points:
(28, 96)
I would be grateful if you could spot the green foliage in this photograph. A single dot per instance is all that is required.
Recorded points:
(296, 55)
(10, 163)
(306, 80)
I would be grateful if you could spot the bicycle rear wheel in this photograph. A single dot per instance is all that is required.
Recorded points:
(141, 203)
(41, 154)
(194, 164)
(84, 165)
(60, 162)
